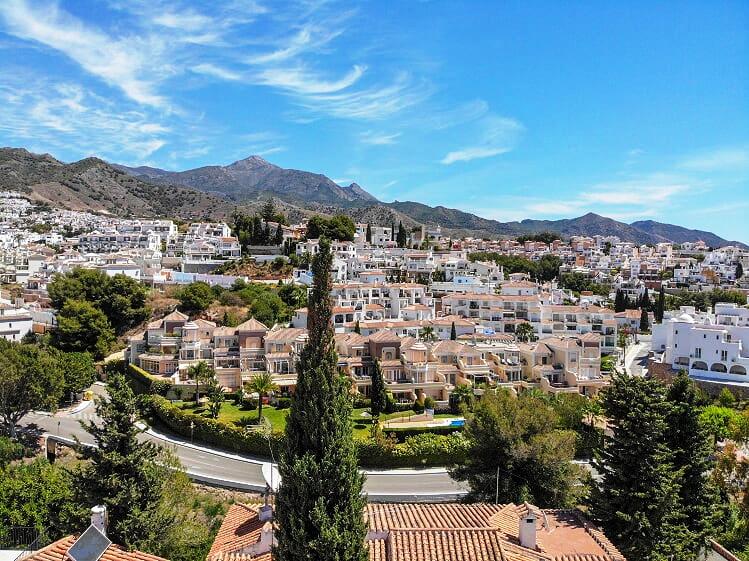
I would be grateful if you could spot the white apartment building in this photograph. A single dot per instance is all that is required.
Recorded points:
(15, 322)
(711, 346)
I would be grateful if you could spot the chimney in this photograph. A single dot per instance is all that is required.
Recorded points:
(266, 513)
(528, 530)
(266, 541)
(99, 518)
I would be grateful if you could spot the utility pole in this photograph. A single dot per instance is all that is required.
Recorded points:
(496, 494)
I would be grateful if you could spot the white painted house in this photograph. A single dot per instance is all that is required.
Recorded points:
(712, 346)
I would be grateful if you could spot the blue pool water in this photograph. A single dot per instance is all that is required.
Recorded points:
(457, 422)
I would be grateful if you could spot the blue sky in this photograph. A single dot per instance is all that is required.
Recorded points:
(512, 110)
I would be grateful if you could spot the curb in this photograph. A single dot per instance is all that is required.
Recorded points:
(384, 472)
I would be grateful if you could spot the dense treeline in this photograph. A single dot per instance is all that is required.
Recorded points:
(38, 377)
(94, 308)
(268, 304)
(704, 301)
(255, 229)
(339, 227)
(656, 498)
(545, 269)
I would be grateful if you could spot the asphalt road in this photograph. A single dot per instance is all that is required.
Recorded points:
(241, 472)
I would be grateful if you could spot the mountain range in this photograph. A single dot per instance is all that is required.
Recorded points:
(254, 178)
(215, 191)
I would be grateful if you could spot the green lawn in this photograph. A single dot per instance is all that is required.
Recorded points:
(231, 413)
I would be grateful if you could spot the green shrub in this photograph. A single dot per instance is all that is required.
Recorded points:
(212, 431)
(402, 433)
(283, 402)
(416, 450)
(147, 383)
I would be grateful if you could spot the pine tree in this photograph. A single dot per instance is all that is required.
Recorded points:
(320, 503)
(692, 448)
(739, 271)
(369, 233)
(645, 300)
(661, 306)
(379, 395)
(636, 501)
(644, 321)
(453, 332)
(129, 476)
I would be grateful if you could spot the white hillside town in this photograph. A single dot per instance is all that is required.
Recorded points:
(323, 280)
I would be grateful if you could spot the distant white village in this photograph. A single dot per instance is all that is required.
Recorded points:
(435, 317)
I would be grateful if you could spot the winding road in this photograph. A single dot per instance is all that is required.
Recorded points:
(236, 471)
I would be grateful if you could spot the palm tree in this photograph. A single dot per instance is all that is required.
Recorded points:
(202, 373)
(463, 393)
(524, 332)
(427, 333)
(261, 384)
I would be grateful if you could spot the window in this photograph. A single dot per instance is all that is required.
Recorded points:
(724, 355)
(698, 353)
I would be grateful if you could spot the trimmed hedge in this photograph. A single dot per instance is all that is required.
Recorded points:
(402, 433)
(147, 383)
(422, 450)
(213, 431)
(417, 450)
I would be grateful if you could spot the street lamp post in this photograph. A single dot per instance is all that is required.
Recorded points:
(192, 428)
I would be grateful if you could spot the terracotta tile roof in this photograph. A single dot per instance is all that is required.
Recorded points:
(240, 529)
(384, 336)
(58, 551)
(442, 532)
(384, 516)
(176, 315)
(285, 334)
(253, 325)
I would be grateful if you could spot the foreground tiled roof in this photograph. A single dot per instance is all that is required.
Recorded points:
(240, 529)
(58, 551)
(443, 532)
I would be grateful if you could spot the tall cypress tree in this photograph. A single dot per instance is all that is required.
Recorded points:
(661, 306)
(369, 233)
(402, 237)
(692, 448)
(644, 321)
(636, 501)
(645, 300)
(619, 303)
(320, 503)
(453, 332)
(379, 395)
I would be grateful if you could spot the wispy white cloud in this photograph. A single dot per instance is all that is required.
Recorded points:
(375, 138)
(67, 116)
(309, 38)
(654, 189)
(304, 83)
(209, 69)
(125, 63)
(637, 197)
(498, 136)
(721, 159)
(463, 113)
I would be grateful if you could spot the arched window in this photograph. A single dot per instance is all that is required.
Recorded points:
(719, 367)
